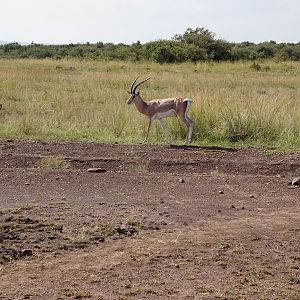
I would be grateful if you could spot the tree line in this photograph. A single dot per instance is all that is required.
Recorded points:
(193, 45)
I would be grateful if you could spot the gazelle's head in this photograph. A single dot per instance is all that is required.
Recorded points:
(133, 94)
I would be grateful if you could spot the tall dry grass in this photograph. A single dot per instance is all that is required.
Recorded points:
(72, 99)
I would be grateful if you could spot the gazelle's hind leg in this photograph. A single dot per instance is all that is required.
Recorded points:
(187, 121)
(190, 124)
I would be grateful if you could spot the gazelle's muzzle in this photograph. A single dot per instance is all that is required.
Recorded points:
(130, 100)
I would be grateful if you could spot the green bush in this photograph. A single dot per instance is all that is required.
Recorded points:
(193, 45)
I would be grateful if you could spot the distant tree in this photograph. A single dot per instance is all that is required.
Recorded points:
(163, 54)
(219, 50)
(200, 37)
(137, 51)
(77, 51)
(290, 53)
(99, 45)
(265, 50)
(11, 47)
(205, 46)
(194, 53)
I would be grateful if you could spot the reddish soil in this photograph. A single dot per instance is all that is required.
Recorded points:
(161, 223)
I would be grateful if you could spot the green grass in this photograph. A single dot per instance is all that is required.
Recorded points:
(53, 162)
(233, 103)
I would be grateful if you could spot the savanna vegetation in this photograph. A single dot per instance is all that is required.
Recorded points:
(194, 45)
(244, 103)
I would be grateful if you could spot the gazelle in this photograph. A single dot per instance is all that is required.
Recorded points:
(159, 109)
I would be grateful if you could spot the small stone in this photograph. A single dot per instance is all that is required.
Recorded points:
(100, 239)
(232, 206)
(221, 192)
(181, 180)
(8, 219)
(26, 252)
(96, 170)
(26, 183)
(251, 196)
(10, 140)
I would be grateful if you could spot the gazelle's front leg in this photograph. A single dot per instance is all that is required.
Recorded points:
(148, 129)
(190, 126)
(163, 126)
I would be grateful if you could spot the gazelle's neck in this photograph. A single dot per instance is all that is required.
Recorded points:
(141, 105)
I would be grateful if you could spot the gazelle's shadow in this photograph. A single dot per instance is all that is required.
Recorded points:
(209, 148)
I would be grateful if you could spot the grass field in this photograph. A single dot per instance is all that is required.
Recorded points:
(243, 103)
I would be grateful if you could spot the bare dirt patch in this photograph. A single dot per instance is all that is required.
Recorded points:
(161, 223)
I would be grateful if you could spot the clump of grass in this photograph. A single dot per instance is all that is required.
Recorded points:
(204, 290)
(25, 207)
(76, 294)
(136, 290)
(294, 279)
(85, 235)
(135, 224)
(258, 67)
(54, 162)
(216, 172)
(6, 146)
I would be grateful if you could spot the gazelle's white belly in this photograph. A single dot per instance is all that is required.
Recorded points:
(165, 114)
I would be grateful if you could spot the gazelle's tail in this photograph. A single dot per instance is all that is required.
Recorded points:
(188, 104)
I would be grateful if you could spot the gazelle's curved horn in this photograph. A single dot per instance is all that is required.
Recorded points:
(139, 84)
(134, 81)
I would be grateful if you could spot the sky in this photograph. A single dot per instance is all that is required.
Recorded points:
(127, 21)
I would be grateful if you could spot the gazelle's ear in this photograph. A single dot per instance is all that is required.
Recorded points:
(138, 93)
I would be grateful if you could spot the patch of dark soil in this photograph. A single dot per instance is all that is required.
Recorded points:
(18, 233)
(209, 165)
(23, 234)
(143, 158)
